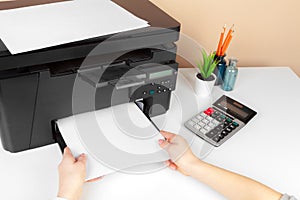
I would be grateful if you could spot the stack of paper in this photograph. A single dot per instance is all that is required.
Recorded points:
(114, 138)
(36, 27)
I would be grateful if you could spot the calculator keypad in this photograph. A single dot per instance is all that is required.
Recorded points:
(212, 125)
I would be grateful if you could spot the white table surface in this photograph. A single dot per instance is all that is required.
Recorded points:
(267, 149)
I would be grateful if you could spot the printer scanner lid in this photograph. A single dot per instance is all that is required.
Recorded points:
(163, 28)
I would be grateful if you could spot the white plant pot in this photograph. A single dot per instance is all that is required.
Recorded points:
(204, 88)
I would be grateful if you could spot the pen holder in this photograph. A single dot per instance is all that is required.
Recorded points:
(220, 69)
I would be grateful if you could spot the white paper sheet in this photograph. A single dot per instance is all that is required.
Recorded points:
(36, 27)
(124, 126)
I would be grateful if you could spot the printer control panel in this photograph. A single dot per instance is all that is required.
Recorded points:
(154, 89)
(156, 83)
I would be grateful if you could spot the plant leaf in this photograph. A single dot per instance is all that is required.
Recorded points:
(205, 63)
(208, 65)
(212, 68)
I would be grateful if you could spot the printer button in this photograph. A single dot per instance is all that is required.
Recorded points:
(151, 92)
(145, 92)
(158, 91)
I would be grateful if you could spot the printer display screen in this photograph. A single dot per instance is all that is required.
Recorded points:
(160, 74)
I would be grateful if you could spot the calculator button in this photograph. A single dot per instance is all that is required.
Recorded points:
(214, 115)
(229, 120)
(220, 119)
(205, 121)
(235, 124)
(207, 112)
(203, 115)
(211, 110)
(221, 136)
(216, 139)
(215, 121)
(211, 134)
(207, 128)
(224, 133)
(226, 123)
(196, 126)
(195, 120)
(191, 123)
(218, 128)
(223, 116)
(232, 127)
(228, 129)
(199, 117)
(202, 124)
(203, 131)
(212, 125)
(221, 126)
(209, 118)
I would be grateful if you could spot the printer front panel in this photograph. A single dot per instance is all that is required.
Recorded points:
(17, 106)
(32, 100)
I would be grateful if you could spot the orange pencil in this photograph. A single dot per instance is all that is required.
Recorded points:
(221, 41)
(226, 39)
(226, 44)
(228, 34)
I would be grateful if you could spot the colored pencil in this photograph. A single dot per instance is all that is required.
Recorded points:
(226, 44)
(221, 41)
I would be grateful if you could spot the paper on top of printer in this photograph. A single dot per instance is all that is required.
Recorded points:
(114, 138)
(37, 27)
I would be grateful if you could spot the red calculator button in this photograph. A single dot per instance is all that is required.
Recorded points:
(207, 112)
(211, 110)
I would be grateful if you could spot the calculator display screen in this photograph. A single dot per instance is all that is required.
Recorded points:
(235, 109)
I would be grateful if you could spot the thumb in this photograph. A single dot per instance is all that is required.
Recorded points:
(68, 156)
(163, 143)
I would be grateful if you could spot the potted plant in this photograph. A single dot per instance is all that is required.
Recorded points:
(205, 78)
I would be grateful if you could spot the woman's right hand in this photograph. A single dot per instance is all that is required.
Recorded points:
(182, 158)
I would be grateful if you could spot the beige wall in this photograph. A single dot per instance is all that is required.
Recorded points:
(267, 31)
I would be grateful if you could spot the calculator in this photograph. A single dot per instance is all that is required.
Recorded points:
(220, 122)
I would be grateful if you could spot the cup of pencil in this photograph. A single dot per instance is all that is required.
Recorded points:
(221, 54)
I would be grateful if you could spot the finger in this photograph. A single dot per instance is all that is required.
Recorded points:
(68, 155)
(169, 136)
(82, 158)
(163, 143)
(94, 179)
(167, 163)
(173, 166)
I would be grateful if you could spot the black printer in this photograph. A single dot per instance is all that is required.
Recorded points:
(36, 88)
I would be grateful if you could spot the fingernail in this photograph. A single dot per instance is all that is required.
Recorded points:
(173, 167)
(160, 141)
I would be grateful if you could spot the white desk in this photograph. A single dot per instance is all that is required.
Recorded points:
(267, 149)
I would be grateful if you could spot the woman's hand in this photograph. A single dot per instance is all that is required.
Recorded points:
(180, 153)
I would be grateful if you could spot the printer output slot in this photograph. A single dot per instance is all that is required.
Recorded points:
(138, 55)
